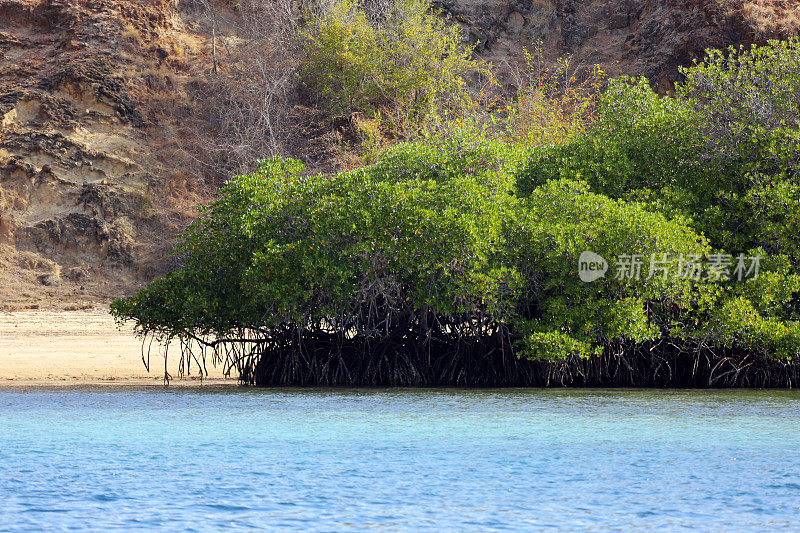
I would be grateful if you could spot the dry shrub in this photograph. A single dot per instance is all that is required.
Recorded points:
(772, 18)
(553, 101)
(250, 92)
(130, 34)
(249, 86)
(542, 102)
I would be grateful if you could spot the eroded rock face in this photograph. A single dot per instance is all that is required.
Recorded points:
(85, 163)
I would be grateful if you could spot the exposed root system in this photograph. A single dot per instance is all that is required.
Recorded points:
(481, 356)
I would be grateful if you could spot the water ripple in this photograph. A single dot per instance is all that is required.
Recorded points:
(322, 460)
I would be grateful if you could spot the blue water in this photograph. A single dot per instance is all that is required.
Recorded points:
(332, 460)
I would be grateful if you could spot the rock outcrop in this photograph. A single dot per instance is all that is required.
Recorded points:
(633, 37)
(89, 180)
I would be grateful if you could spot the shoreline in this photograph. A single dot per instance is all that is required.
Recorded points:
(122, 383)
(83, 347)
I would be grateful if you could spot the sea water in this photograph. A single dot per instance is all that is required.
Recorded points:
(333, 460)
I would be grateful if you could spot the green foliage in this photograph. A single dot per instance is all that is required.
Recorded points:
(484, 234)
(431, 225)
(750, 97)
(411, 60)
(739, 324)
(557, 222)
(724, 155)
(418, 229)
(640, 142)
(750, 101)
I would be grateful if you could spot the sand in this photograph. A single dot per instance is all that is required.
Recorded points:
(45, 347)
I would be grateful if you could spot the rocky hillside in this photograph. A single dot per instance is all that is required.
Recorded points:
(91, 187)
(634, 37)
(96, 170)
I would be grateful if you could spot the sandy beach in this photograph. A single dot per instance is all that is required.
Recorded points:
(48, 347)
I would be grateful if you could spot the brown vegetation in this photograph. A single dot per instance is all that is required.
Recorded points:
(772, 18)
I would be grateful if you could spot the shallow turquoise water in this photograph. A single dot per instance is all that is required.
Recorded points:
(336, 460)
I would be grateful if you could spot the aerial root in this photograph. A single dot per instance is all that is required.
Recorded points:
(450, 355)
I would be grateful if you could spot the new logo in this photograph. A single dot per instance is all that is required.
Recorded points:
(591, 266)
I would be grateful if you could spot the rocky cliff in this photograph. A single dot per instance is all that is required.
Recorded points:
(95, 96)
(91, 187)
